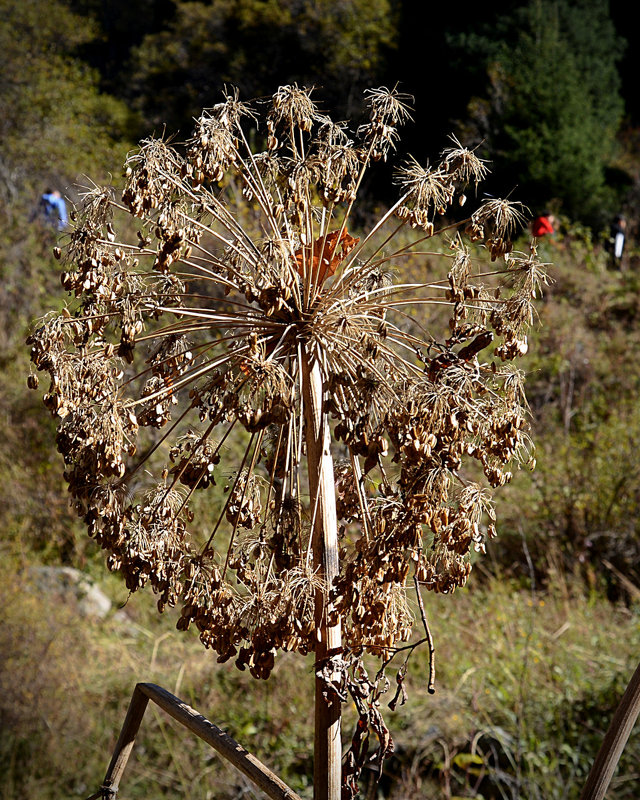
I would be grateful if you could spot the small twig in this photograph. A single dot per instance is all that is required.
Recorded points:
(630, 587)
(431, 686)
(102, 793)
(394, 652)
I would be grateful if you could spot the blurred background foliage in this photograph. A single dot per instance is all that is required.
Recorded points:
(533, 656)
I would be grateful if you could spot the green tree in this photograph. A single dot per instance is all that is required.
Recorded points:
(53, 120)
(553, 105)
(253, 44)
(120, 25)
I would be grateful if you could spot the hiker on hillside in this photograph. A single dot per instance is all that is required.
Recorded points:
(543, 224)
(53, 209)
(617, 236)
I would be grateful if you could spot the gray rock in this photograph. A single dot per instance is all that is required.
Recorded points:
(74, 587)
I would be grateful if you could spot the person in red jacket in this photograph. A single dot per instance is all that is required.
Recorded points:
(543, 225)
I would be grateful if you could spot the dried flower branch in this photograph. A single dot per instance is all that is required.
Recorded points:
(246, 305)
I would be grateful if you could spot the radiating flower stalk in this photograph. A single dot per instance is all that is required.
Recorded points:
(245, 309)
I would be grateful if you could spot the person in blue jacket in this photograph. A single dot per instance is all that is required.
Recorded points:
(54, 209)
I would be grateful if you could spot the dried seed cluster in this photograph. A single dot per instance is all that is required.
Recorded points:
(193, 340)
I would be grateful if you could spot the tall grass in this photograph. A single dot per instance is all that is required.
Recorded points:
(527, 683)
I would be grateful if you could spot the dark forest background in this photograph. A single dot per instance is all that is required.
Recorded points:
(546, 88)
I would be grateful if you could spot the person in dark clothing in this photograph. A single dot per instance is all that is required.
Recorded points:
(617, 237)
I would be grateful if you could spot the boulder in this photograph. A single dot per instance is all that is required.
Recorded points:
(72, 586)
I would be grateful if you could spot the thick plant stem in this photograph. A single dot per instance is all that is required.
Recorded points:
(614, 741)
(328, 744)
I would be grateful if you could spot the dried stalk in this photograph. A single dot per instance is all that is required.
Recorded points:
(431, 685)
(328, 743)
(248, 764)
(614, 741)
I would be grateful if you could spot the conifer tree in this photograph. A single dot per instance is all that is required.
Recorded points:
(553, 105)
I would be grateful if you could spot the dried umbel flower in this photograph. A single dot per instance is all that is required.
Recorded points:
(247, 317)
(387, 111)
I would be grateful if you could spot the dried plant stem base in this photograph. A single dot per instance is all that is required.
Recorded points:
(248, 764)
(328, 744)
(614, 741)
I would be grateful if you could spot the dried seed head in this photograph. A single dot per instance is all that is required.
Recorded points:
(192, 343)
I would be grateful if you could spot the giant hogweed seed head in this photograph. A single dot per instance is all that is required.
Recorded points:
(189, 339)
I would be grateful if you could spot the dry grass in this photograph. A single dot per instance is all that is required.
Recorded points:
(526, 685)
